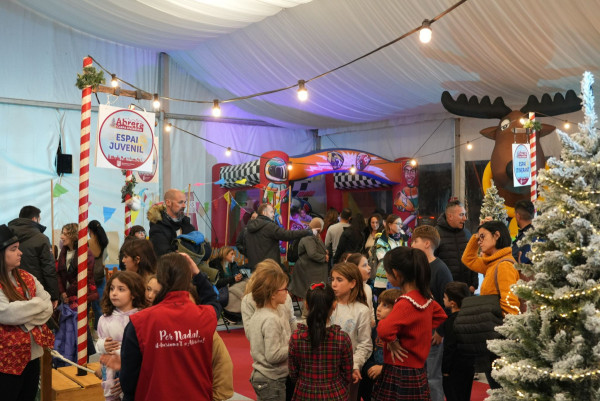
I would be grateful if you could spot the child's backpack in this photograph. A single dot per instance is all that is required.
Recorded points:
(292, 252)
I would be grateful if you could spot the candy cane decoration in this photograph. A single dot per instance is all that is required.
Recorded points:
(532, 145)
(82, 247)
(128, 179)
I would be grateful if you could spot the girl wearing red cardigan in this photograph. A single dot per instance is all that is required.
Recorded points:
(408, 326)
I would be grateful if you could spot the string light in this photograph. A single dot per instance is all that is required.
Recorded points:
(413, 162)
(522, 121)
(567, 125)
(425, 32)
(302, 92)
(168, 127)
(352, 169)
(156, 102)
(114, 81)
(228, 151)
(289, 165)
(575, 375)
(570, 295)
(469, 145)
(132, 106)
(216, 110)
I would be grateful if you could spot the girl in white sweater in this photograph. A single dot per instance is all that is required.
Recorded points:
(352, 315)
(125, 296)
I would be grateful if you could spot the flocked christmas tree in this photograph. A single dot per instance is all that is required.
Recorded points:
(493, 206)
(552, 352)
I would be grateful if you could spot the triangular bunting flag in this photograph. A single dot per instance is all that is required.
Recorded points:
(108, 212)
(134, 215)
(220, 182)
(58, 190)
(242, 181)
(227, 197)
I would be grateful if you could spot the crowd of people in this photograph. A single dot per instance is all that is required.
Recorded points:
(377, 322)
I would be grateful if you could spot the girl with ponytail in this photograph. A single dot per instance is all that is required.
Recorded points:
(320, 355)
(408, 326)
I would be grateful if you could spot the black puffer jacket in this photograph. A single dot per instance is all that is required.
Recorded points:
(453, 242)
(37, 258)
(262, 240)
(163, 230)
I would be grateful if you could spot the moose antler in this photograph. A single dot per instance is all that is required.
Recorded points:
(549, 107)
(473, 107)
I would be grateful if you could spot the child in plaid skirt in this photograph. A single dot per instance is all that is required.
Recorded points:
(408, 326)
(320, 356)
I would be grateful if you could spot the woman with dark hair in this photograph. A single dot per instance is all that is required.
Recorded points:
(139, 257)
(97, 244)
(352, 239)
(138, 232)
(409, 325)
(374, 227)
(320, 355)
(172, 339)
(331, 217)
(67, 268)
(391, 238)
(24, 309)
(497, 265)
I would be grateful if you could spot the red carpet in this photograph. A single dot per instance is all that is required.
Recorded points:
(239, 349)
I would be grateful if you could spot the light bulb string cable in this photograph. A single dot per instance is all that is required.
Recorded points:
(412, 31)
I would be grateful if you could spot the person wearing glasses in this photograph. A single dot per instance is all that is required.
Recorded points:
(268, 331)
(497, 265)
(391, 238)
(453, 241)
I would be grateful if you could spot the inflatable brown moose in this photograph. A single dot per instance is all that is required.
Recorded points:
(504, 135)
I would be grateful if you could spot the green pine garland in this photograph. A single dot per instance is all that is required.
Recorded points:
(90, 77)
(128, 187)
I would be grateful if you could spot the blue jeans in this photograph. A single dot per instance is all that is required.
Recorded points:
(434, 372)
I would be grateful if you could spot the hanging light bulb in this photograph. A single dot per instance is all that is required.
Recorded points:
(522, 120)
(114, 81)
(168, 127)
(216, 110)
(228, 151)
(352, 169)
(156, 102)
(469, 145)
(425, 32)
(413, 162)
(289, 165)
(302, 92)
(132, 106)
(567, 125)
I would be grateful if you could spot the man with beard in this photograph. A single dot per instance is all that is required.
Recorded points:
(453, 241)
(167, 221)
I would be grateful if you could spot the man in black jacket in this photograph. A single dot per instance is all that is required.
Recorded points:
(37, 258)
(263, 236)
(453, 241)
(167, 221)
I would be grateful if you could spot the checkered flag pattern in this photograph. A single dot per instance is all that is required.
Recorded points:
(250, 171)
(300, 188)
(355, 181)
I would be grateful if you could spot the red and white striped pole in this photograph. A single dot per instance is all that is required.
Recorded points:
(82, 243)
(128, 179)
(532, 146)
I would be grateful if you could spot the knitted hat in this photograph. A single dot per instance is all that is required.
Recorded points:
(7, 237)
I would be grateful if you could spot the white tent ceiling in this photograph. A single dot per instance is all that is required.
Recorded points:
(504, 48)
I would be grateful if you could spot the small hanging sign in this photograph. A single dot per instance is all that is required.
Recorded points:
(521, 164)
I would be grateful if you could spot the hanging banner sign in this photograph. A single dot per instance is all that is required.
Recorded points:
(125, 139)
(152, 176)
(521, 164)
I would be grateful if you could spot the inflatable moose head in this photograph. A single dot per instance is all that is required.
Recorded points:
(504, 135)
